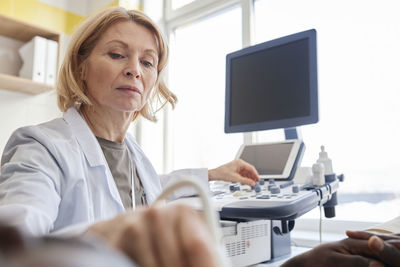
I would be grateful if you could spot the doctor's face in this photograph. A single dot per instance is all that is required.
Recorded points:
(122, 67)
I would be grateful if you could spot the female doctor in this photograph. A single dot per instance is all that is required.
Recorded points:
(85, 169)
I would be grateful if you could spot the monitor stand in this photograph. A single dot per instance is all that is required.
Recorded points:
(292, 133)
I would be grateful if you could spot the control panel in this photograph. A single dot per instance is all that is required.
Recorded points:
(268, 199)
(274, 200)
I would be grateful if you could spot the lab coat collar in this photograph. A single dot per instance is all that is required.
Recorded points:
(85, 137)
(92, 150)
(88, 140)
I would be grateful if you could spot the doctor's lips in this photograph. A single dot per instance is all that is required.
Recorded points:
(129, 88)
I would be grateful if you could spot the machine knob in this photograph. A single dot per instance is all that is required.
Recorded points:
(295, 189)
(275, 190)
(271, 184)
(234, 187)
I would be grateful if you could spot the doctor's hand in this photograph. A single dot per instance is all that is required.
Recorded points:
(235, 171)
(171, 235)
(385, 247)
(347, 252)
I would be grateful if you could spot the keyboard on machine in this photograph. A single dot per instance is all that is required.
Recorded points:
(273, 200)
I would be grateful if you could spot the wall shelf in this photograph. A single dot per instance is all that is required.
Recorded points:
(14, 83)
(23, 31)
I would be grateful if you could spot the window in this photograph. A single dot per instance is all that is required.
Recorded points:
(180, 3)
(358, 57)
(197, 76)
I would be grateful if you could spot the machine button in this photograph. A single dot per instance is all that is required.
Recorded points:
(275, 190)
(295, 189)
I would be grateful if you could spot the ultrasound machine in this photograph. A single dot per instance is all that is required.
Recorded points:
(272, 85)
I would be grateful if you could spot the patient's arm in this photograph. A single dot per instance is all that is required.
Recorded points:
(348, 252)
(360, 249)
(385, 247)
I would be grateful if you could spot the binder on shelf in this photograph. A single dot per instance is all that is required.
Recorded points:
(51, 62)
(33, 55)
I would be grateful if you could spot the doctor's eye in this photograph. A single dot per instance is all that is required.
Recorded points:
(147, 63)
(115, 55)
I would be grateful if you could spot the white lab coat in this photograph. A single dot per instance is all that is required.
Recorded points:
(55, 175)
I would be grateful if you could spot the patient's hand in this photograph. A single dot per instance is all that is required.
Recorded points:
(171, 235)
(235, 171)
(385, 247)
(348, 252)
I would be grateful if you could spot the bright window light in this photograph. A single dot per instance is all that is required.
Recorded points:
(359, 91)
(180, 3)
(197, 76)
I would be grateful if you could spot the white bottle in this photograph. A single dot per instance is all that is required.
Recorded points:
(318, 170)
(323, 158)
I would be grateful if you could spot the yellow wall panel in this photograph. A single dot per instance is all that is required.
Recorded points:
(41, 14)
(51, 17)
(114, 3)
(5, 6)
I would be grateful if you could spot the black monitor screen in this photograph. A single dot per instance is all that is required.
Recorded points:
(272, 85)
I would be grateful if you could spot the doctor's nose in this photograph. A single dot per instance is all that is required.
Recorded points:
(132, 74)
(133, 70)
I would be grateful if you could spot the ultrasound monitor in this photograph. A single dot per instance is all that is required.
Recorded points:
(272, 85)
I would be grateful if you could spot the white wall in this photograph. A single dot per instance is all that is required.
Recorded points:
(93, 5)
(18, 109)
(80, 7)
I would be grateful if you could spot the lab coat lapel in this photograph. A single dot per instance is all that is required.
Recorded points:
(91, 148)
(85, 137)
(147, 174)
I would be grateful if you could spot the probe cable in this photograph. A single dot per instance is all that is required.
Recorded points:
(209, 214)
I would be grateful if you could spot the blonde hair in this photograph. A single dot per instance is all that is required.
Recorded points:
(71, 87)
